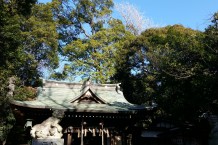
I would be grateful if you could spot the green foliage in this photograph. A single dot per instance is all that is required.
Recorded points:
(177, 54)
(6, 117)
(39, 32)
(6, 124)
(211, 60)
(9, 40)
(24, 93)
(97, 55)
(137, 77)
(174, 66)
(28, 41)
(211, 42)
(176, 50)
(80, 18)
(90, 40)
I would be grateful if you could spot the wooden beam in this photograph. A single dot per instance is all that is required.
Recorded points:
(69, 138)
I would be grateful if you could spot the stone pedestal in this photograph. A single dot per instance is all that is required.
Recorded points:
(48, 142)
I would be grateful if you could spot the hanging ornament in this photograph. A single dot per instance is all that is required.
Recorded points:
(85, 132)
(93, 132)
(107, 132)
(79, 133)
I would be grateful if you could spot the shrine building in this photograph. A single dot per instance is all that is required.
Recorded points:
(90, 114)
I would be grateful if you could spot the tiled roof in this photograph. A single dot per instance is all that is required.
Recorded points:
(70, 96)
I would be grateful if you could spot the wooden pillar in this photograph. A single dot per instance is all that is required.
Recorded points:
(123, 138)
(82, 132)
(108, 137)
(102, 132)
(69, 138)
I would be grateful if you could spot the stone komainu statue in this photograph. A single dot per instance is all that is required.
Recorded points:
(11, 86)
(48, 129)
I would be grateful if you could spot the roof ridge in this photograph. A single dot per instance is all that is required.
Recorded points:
(46, 81)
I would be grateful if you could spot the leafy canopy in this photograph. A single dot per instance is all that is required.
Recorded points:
(89, 39)
(28, 41)
(173, 66)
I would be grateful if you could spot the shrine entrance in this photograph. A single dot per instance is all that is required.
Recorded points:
(89, 139)
(95, 140)
(93, 136)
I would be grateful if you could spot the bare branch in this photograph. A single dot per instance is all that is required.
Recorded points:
(133, 19)
(84, 31)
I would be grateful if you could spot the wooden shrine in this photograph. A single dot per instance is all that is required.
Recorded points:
(89, 114)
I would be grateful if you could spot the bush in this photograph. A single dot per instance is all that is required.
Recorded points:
(24, 93)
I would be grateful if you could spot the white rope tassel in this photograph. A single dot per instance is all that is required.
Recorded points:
(79, 133)
(93, 132)
(107, 132)
(85, 132)
(100, 132)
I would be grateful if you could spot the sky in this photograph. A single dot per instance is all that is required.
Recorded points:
(195, 14)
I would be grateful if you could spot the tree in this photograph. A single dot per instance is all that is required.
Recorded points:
(26, 44)
(80, 18)
(90, 39)
(178, 55)
(96, 56)
(40, 42)
(133, 19)
(170, 64)
(211, 60)
(137, 77)
(9, 54)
